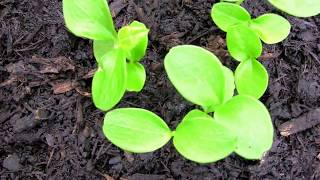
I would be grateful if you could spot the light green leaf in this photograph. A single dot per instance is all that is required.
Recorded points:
(229, 84)
(89, 19)
(136, 130)
(197, 74)
(101, 48)
(271, 28)
(136, 76)
(202, 139)
(243, 43)
(299, 8)
(249, 119)
(226, 15)
(109, 82)
(134, 40)
(251, 78)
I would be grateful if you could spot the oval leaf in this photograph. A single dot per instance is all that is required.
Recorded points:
(197, 74)
(299, 8)
(243, 43)
(251, 78)
(226, 15)
(201, 139)
(229, 85)
(271, 28)
(89, 19)
(136, 130)
(249, 119)
(109, 82)
(134, 39)
(136, 76)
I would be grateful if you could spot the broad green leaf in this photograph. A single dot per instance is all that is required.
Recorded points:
(271, 28)
(249, 119)
(226, 15)
(202, 139)
(134, 40)
(109, 82)
(251, 78)
(89, 19)
(196, 113)
(197, 74)
(229, 84)
(136, 76)
(101, 48)
(299, 8)
(243, 43)
(136, 130)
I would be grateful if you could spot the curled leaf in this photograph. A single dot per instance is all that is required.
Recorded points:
(136, 76)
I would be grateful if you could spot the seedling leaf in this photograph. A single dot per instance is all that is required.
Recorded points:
(136, 76)
(134, 40)
(136, 130)
(251, 78)
(229, 84)
(202, 139)
(226, 15)
(101, 48)
(243, 43)
(89, 19)
(299, 8)
(109, 82)
(271, 28)
(197, 74)
(249, 119)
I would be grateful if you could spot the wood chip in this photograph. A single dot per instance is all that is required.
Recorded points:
(304, 122)
(62, 87)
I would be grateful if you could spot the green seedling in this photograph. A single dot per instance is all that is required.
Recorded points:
(244, 36)
(240, 124)
(117, 54)
(299, 8)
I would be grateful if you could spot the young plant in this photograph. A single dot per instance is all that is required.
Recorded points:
(117, 54)
(240, 124)
(244, 37)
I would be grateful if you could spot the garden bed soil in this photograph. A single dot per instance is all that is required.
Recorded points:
(49, 128)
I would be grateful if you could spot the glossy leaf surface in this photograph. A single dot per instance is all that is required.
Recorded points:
(201, 139)
(136, 130)
(134, 40)
(271, 28)
(249, 119)
(109, 82)
(299, 8)
(226, 15)
(251, 78)
(136, 76)
(243, 43)
(89, 19)
(197, 74)
(101, 48)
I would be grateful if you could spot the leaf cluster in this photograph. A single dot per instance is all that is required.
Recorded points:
(117, 54)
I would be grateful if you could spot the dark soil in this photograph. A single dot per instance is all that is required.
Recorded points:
(49, 128)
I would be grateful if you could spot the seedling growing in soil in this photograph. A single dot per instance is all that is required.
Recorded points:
(240, 124)
(244, 44)
(117, 54)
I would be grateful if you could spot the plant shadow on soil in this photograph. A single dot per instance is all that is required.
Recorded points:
(51, 130)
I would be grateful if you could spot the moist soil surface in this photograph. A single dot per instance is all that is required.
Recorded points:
(50, 129)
